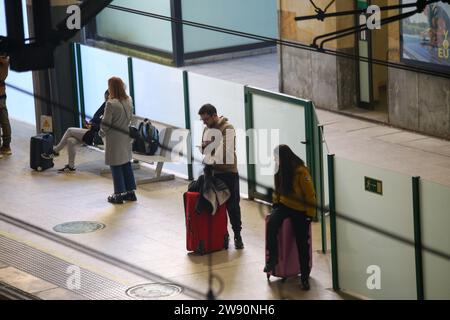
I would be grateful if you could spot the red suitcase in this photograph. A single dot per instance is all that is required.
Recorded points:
(288, 262)
(198, 226)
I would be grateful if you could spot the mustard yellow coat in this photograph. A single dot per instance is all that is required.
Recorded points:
(303, 197)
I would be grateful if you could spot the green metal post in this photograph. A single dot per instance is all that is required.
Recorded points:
(249, 125)
(187, 119)
(131, 82)
(334, 253)
(80, 81)
(309, 137)
(418, 238)
(323, 224)
(73, 61)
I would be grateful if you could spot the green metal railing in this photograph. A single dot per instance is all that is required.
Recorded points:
(333, 231)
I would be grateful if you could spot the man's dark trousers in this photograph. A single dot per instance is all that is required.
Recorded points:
(231, 179)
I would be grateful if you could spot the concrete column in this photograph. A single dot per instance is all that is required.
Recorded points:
(330, 82)
(419, 102)
(56, 84)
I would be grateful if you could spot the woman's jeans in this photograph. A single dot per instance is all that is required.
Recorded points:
(123, 178)
(301, 224)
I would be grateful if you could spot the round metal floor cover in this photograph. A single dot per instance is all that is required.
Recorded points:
(77, 227)
(154, 291)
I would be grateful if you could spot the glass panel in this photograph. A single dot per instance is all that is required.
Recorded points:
(364, 67)
(3, 19)
(364, 81)
(252, 16)
(20, 105)
(317, 160)
(365, 256)
(158, 92)
(435, 218)
(137, 29)
(228, 98)
(284, 122)
(97, 67)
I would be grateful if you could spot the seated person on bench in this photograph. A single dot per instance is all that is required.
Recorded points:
(74, 136)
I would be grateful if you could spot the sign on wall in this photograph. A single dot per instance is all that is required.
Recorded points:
(373, 185)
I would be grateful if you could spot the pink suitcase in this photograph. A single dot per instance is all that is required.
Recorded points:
(288, 263)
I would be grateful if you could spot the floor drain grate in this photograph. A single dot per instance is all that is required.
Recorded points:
(55, 270)
(154, 291)
(78, 227)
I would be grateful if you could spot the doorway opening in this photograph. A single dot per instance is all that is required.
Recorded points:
(373, 78)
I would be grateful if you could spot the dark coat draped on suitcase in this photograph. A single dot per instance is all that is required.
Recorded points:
(213, 193)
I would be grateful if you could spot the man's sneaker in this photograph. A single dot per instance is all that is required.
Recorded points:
(67, 169)
(6, 150)
(304, 284)
(49, 156)
(238, 244)
(115, 198)
(129, 196)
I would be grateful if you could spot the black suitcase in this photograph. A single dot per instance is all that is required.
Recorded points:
(39, 144)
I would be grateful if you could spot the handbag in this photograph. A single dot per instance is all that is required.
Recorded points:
(133, 132)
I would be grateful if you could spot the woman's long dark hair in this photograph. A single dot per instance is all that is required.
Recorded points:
(288, 164)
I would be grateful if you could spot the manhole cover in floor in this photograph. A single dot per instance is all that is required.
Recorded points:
(76, 227)
(154, 291)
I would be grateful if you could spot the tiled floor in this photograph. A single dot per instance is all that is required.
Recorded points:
(24, 281)
(259, 71)
(149, 234)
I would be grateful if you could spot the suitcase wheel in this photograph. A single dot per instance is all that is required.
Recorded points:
(39, 168)
(226, 242)
(201, 248)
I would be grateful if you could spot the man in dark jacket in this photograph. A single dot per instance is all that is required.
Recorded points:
(224, 163)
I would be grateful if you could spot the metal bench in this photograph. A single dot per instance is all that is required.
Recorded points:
(164, 153)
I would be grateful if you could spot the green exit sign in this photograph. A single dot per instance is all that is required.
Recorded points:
(373, 185)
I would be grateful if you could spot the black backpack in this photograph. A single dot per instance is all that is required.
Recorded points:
(147, 141)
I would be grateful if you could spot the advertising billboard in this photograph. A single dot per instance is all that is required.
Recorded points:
(425, 36)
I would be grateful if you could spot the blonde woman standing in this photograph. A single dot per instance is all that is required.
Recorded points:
(114, 130)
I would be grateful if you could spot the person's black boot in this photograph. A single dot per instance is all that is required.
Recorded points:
(304, 284)
(238, 243)
(270, 266)
(129, 196)
(115, 198)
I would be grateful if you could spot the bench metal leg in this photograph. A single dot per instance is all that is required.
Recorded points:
(159, 167)
(155, 179)
(158, 176)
